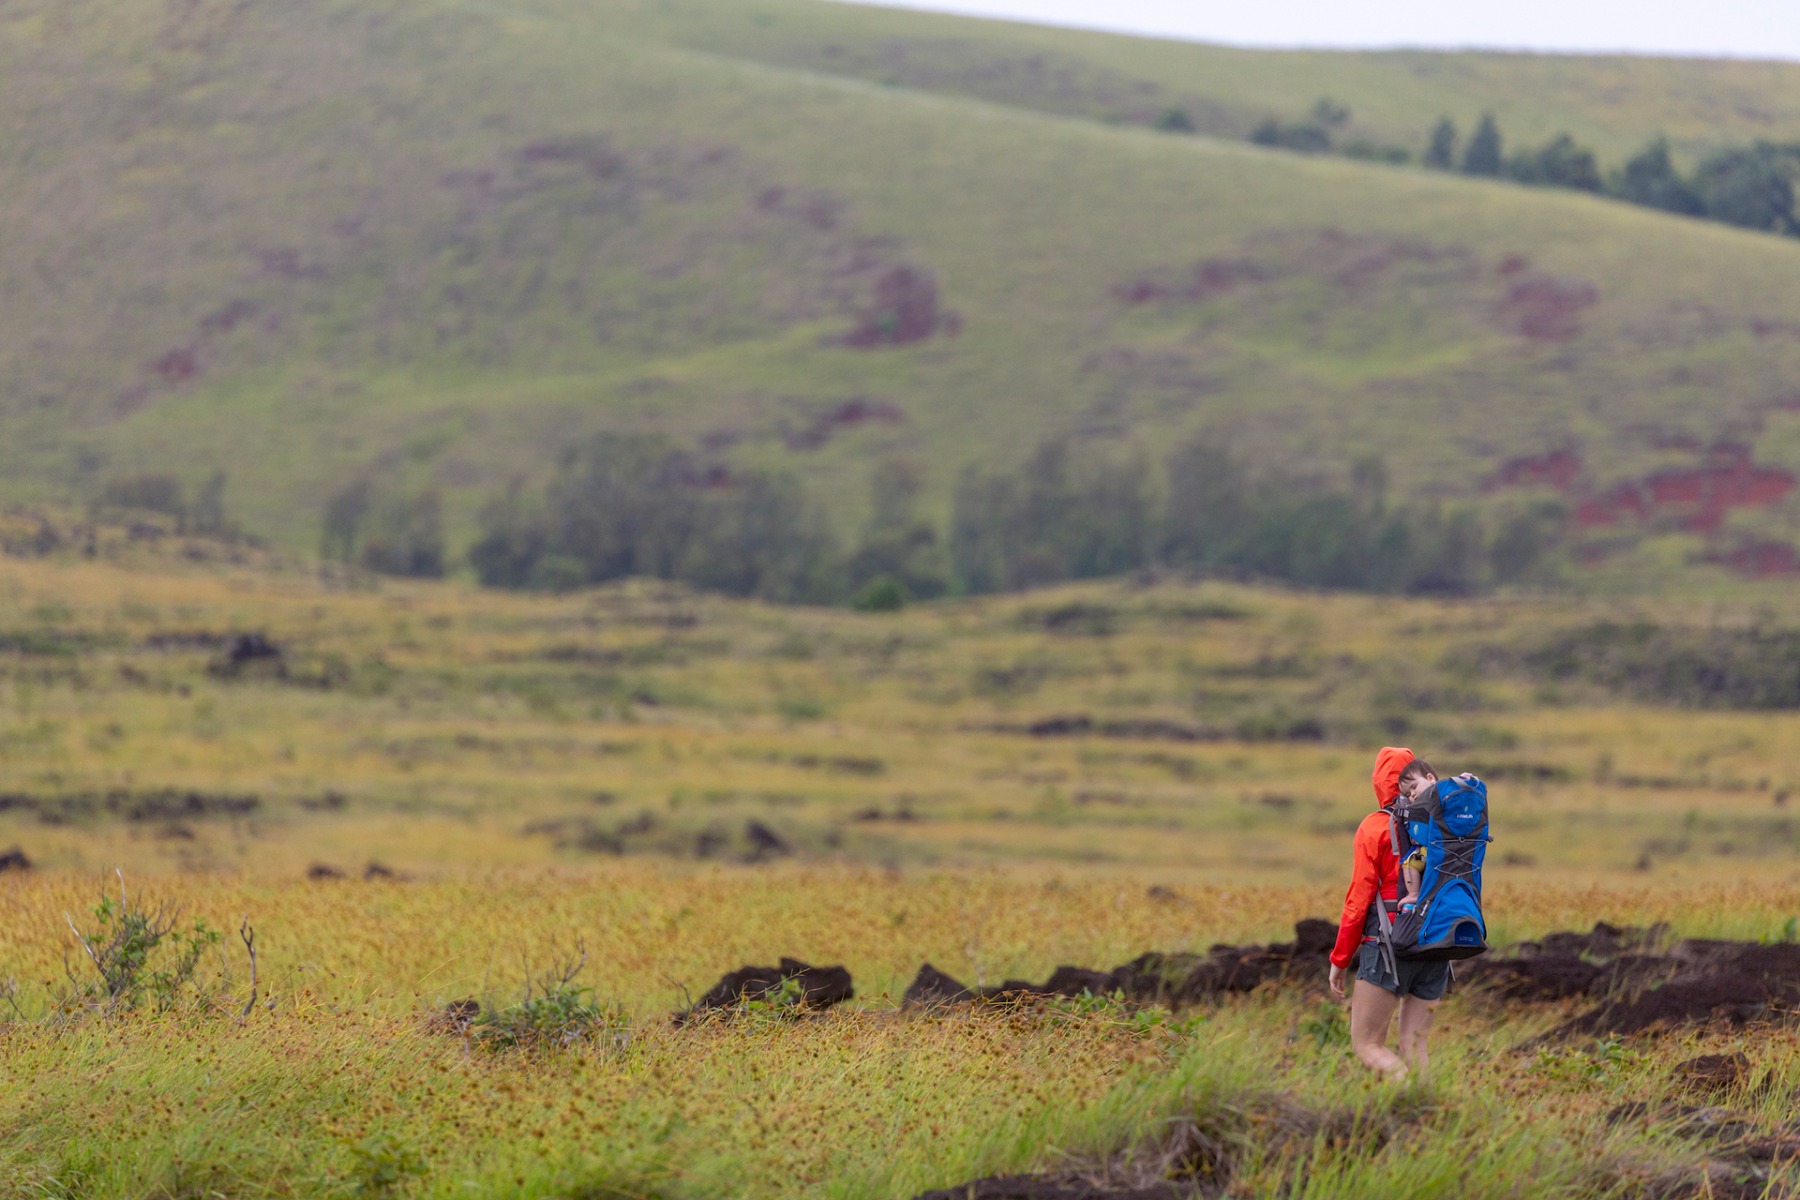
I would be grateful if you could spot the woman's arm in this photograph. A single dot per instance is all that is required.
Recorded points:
(1365, 887)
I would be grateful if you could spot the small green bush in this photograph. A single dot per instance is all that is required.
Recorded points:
(880, 596)
(562, 1018)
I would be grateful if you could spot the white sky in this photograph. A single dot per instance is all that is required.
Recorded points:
(1737, 28)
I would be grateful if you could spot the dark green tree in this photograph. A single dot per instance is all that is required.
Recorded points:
(983, 516)
(1483, 156)
(1560, 162)
(514, 538)
(344, 513)
(1440, 155)
(1749, 186)
(147, 493)
(1524, 540)
(897, 543)
(406, 536)
(1449, 554)
(625, 506)
(208, 514)
(1207, 512)
(1650, 178)
(1305, 136)
(1329, 113)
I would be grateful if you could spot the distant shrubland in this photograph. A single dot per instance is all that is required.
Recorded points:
(641, 506)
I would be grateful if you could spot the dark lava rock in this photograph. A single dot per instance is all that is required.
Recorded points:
(169, 805)
(1061, 726)
(1153, 978)
(819, 987)
(1636, 988)
(164, 804)
(1315, 936)
(1731, 996)
(15, 860)
(247, 650)
(1713, 1072)
(1550, 978)
(765, 842)
(1051, 1187)
(1604, 940)
(248, 647)
(931, 986)
(1782, 1147)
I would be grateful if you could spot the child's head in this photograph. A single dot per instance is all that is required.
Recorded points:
(1416, 777)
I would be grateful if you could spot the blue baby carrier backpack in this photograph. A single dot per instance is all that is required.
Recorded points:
(1451, 824)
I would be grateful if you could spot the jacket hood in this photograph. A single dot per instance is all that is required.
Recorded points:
(1388, 764)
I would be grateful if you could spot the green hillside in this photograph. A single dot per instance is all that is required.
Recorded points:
(1614, 103)
(434, 244)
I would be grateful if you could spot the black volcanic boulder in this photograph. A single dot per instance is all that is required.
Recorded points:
(793, 983)
(1171, 979)
(931, 986)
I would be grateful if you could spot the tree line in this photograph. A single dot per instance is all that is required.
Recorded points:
(629, 505)
(1747, 185)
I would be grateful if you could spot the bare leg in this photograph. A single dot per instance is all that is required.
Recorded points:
(1415, 1027)
(1371, 1012)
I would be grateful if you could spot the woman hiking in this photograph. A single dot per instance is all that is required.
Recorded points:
(1374, 879)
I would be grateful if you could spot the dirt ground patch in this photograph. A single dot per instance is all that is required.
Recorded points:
(1639, 987)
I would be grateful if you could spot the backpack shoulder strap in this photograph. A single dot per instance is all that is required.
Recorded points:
(1384, 923)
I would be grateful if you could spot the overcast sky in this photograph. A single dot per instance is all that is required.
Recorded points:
(1740, 28)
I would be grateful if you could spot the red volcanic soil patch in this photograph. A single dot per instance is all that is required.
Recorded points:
(817, 210)
(1211, 277)
(178, 365)
(1700, 495)
(1546, 307)
(593, 155)
(1351, 262)
(905, 310)
(1761, 560)
(228, 318)
(845, 415)
(1558, 469)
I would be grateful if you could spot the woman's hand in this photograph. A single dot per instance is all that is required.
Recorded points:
(1336, 980)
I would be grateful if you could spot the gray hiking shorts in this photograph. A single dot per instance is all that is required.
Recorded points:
(1426, 980)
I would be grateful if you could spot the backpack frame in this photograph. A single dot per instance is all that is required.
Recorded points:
(1447, 922)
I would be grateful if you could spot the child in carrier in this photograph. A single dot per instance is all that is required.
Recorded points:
(1415, 782)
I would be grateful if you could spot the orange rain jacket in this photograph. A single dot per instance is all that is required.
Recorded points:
(1375, 869)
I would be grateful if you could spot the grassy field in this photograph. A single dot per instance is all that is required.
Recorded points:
(432, 244)
(1177, 728)
(540, 774)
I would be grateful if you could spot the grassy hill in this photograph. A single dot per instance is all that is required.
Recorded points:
(1614, 103)
(433, 244)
